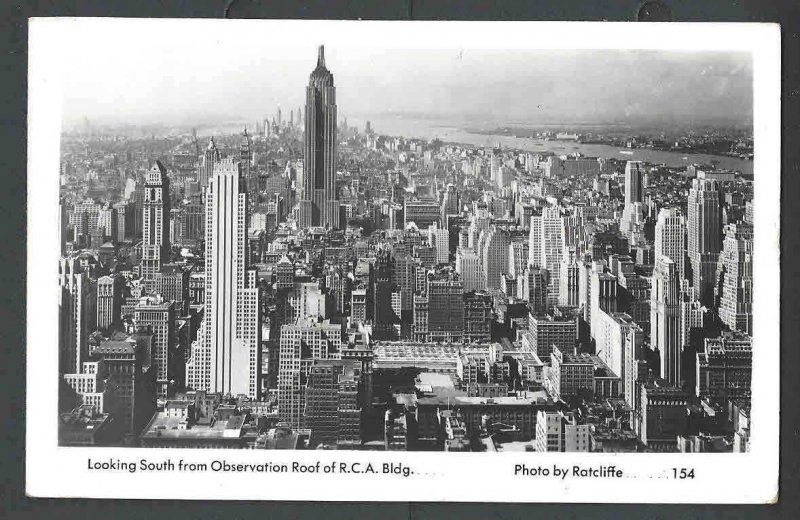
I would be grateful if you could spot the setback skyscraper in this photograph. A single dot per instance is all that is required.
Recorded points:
(665, 322)
(669, 239)
(155, 221)
(320, 206)
(703, 235)
(226, 356)
(206, 169)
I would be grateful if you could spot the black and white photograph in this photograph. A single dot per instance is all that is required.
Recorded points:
(391, 259)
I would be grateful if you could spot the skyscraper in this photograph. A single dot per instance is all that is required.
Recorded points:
(109, 300)
(535, 242)
(445, 310)
(439, 239)
(300, 345)
(321, 205)
(665, 318)
(552, 246)
(633, 182)
(736, 305)
(77, 314)
(451, 203)
(631, 214)
(159, 316)
(248, 172)
(468, 266)
(703, 235)
(155, 221)
(494, 255)
(226, 356)
(669, 238)
(206, 168)
(332, 405)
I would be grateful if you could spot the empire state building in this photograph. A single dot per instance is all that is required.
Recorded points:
(320, 204)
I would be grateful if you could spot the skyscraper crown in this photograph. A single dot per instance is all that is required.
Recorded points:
(321, 76)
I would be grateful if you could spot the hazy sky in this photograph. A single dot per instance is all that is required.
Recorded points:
(162, 73)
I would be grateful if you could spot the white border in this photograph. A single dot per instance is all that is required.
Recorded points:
(740, 478)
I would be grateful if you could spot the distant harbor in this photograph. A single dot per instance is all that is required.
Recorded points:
(452, 132)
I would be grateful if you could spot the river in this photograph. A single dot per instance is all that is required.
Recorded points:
(449, 132)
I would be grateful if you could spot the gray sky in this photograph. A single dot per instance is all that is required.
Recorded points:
(169, 75)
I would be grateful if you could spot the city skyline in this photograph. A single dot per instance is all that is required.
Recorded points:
(125, 84)
(317, 260)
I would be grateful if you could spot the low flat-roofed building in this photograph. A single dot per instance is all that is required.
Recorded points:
(704, 444)
(85, 427)
(613, 440)
(281, 437)
(662, 415)
(184, 424)
(516, 412)
(570, 374)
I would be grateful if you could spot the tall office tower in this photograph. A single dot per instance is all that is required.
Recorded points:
(632, 212)
(703, 235)
(534, 289)
(128, 370)
(248, 171)
(226, 356)
(634, 353)
(386, 311)
(445, 310)
(194, 220)
(451, 203)
(333, 411)
(321, 204)
(454, 225)
(736, 305)
(568, 279)
(548, 331)
(206, 169)
(155, 222)
(633, 182)
(107, 221)
(517, 258)
(138, 200)
(172, 283)
(109, 300)
(494, 255)
(62, 224)
(669, 239)
(552, 246)
(439, 239)
(126, 219)
(158, 316)
(535, 242)
(404, 277)
(300, 345)
(77, 314)
(477, 316)
(665, 319)
(468, 266)
(84, 217)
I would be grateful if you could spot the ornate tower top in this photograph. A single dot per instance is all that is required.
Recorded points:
(321, 76)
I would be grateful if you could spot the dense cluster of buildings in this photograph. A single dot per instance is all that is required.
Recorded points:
(312, 285)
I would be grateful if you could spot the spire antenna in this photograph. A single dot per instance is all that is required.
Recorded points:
(321, 57)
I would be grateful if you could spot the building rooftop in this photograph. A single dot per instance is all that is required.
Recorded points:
(582, 358)
(115, 347)
(539, 397)
(162, 426)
